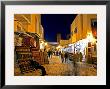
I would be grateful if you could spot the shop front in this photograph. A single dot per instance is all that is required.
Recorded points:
(30, 41)
(86, 49)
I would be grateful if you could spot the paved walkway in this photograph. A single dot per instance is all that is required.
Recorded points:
(85, 69)
(57, 68)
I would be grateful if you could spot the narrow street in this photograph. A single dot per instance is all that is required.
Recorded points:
(57, 68)
(62, 35)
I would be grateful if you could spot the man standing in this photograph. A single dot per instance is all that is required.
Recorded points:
(62, 56)
(66, 57)
(49, 53)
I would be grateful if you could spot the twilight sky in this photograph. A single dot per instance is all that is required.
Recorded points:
(56, 23)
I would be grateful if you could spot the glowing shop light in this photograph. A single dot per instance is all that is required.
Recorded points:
(90, 38)
(45, 44)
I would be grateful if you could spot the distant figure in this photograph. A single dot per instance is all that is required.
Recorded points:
(62, 56)
(77, 57)
(80, 57)
(66, 57)
(59, 53)
(53, 52)
(46, 57)
(50, 54)
(56, 53)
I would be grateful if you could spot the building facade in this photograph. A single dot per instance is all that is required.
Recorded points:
(58, 37)
(81, 26)
(84, 34)
(28, 32)
(27, 23)
(30, 25)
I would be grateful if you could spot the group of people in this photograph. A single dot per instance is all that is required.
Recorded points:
(75, 57)
(50, 53)
(63, 55)
(55, 53)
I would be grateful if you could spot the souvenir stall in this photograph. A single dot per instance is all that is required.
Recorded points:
(30, 40)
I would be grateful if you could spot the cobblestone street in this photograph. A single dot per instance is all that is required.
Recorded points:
(57, 68)
(84, 69)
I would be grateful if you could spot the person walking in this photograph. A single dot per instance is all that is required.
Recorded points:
(66, 57)
(62, 56)
(56, 53)
(80, 57)
(49, 54)
(53, 52)
(46, 57)
(59, 53)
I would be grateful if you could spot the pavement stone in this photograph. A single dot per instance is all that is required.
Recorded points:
(57, 68)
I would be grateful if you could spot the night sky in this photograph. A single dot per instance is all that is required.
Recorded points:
(56, 23)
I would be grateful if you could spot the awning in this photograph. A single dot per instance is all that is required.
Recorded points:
(35, 35)
(22, 34)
